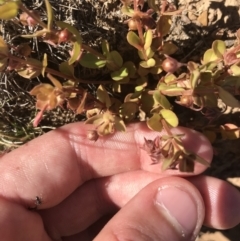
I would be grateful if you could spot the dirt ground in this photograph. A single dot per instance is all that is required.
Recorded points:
(193, 31)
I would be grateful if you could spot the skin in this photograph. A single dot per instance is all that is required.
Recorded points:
(82, 184)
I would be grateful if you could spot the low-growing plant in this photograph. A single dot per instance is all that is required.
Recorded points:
(155, 78)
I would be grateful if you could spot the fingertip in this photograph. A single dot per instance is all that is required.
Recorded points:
(221, 200)
(166, 209)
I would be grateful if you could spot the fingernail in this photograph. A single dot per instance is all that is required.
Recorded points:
(179, 207)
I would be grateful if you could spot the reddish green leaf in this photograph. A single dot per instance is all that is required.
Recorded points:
(154, 123)
(170, 117)
(103, 96)
(134, 40)
(219, 48)
(209, 56)
(148, 39)
(161, 100)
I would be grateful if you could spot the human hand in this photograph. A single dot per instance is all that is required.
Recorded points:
(79, 182)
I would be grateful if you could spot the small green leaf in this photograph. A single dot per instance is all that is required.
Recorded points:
(105, 48)
(3, 47)
(9, 10)
(206, 78)
(119, 124)
(170, 117)
(173, 91)
(145, 53)
(164, 25)
(119, 74)
(169, 78)
(169, 48)
(209, 56)
(139, 88)
(76, 52)
(235, 70)
(55, 82)
(167, 162)
(50, 15)
(161, 99)
(148, 64)
(131, 68)
(103, 96)
(128, 110)
(116, 87)
(194, 78)
(148, 39)
(89, 60)
(219, 48)
(3, 54)
(3, 63)
(154, 123)
(227, 98)
(186, 165)
(116, 58)
(134, 40)
(44, 64)
(147, 101)
(128, 11)
(67, 69)
(201, 160)
(81, 107)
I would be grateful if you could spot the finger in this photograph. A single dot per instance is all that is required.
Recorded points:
(54, 165)
(222, 202)
(18, 224)
(107, 195)
(154, 214)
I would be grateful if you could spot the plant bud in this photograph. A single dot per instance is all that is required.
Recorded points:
(132, 25)
(170, 65)
(186, 100)
(92, 135)
(64, 36)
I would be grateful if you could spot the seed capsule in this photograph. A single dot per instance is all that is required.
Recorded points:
(170, 65)
(92, 135)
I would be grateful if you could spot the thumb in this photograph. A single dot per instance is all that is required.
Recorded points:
(167, 209)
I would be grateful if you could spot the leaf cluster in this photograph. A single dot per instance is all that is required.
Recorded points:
(198, 86)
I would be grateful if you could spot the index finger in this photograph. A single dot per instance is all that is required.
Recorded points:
(55, 164)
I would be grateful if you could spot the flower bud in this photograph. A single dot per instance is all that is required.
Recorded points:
(92, 135)
(170, 65)
(64, 36)
(186, 100)
(132, 25)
